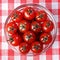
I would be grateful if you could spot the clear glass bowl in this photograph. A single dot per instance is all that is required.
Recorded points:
(37, 7)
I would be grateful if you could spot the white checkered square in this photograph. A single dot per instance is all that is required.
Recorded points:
(4, 18)
(16, 5)
(54, 5)
(29, 57)
(43, 4)
(55, 45)
(55, 57)
(4, 57)
(4, 45)
(4, 6)
(42, 57)
(55, 17)
(16, 57)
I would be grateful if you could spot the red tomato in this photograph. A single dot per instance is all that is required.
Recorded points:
(35, 26)
(47, 26)
(37, 47)
(24, 26)
(15, 40)
(41, 16)
(11, 27)
(45, 38)
(29, 13)
(17, 16)
(24, 48)
(29, 37)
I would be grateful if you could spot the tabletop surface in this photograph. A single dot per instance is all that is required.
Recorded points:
(6, 53)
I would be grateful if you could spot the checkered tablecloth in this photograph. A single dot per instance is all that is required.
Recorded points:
(6, 53)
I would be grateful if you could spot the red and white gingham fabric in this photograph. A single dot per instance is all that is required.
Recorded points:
(6, 53)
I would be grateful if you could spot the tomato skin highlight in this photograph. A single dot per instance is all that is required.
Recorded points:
(15, 40)
(29, 13)
(45, 38)
(11, 28)
(37, 47)
(16, 16)
(29, 37)
(24, 48)
(47, 26)
(41, 16)
(35, 27)
(24, 26)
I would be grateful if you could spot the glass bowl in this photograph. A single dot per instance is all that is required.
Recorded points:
(37, 7)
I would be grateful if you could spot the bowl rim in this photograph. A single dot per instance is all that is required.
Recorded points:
(31, 4)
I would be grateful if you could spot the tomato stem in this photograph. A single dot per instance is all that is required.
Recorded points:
(29, 11)
(40, 16)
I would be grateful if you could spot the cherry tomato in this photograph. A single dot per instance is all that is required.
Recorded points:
(11, 27)
(35, 26)
(24, 48)
(29, 13)
(37, 47)
(45, 38)
(47, 26)
(15, 40)
(17, 16)
(41, 16)
(24, 26)
(29, 37)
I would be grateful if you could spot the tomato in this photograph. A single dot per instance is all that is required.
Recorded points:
(24, 26)
(37, 47)
(29, 37)
(15, 39)
(24, 48)
(35, 26)
(11, 27)
(17, 16)
(47, 26)
(29, 13)
(45, 38)
(41, 16)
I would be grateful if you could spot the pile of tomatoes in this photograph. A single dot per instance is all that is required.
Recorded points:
(29, 29)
